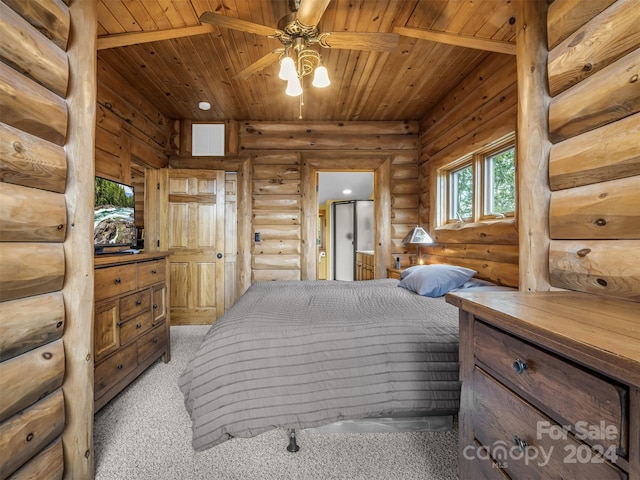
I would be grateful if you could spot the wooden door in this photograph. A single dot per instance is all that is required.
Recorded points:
(192, 228)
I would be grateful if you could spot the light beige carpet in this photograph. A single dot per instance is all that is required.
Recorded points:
(145, 433)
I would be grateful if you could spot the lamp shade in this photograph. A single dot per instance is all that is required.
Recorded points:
(321, 77)
(294, 88)
(417, 235)
(287, 69)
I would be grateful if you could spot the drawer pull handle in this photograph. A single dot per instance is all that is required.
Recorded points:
(120, 367)
(139, 325)
(138, 302)
(154, 271)
(519, 443)
(117, 279)
(155, 340)
(519, 366)
(119, 324)
(155, 305)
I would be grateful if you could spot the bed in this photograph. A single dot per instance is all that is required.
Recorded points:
(303, 354)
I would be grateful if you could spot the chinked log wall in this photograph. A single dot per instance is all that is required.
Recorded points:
(283, 158)
(479, 111)
(594, 163)
(47, 99)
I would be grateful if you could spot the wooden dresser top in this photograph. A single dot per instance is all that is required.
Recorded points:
(600, 332)
(118, 259)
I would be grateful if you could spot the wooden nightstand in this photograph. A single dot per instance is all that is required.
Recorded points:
(394, 272)
(552, 371)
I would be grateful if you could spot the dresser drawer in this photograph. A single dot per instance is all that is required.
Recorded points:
(114, 369)
(151, 343)
(575, 396)
(526, 443)
(151, 272)
(131, 329)
(484, 467)
(135, 304)
(111, 281)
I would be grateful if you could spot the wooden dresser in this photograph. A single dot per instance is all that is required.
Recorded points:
(550, 386)
(131, 321)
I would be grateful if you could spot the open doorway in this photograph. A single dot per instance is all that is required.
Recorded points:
(337, 255)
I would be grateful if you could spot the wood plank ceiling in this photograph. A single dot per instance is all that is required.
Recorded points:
(403, 84)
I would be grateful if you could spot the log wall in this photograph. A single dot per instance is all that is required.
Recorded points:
(284, 159)
(131, 137)
(47, 99)
(594, 162)
(281, 160)
(478, 111)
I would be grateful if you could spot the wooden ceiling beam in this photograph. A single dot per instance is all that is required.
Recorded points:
(497, 46)
(125, 39)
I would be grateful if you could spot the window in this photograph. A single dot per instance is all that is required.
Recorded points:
(479, 186)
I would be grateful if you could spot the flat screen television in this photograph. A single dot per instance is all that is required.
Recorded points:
(114, 215)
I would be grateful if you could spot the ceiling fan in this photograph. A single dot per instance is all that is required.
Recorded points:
(298, 32)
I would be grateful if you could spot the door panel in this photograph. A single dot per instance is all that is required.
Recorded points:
(364, 222)
(206, 276)
(179, 285)
(179, 233)
(206, 236)
(194, 226)
(343, 254)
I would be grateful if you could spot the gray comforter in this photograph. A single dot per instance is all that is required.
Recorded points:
(305, 354)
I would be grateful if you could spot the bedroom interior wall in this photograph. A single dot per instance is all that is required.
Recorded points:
(47, 100)
(128, 128)
(481, 109)
(133, 140)
(279, 152)
(403, 189)
(276, 153)
(594, 162)
(277, 162)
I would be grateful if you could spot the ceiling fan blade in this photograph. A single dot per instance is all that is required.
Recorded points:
(237, 24)
(259, 64)
(310, 11)
(380, 41)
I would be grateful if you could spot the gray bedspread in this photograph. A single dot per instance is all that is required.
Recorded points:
(308, 353)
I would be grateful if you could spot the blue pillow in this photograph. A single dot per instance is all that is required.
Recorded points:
(408, 271)
(435, 280)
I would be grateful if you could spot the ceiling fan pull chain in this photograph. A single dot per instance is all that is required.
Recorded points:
(301, 104)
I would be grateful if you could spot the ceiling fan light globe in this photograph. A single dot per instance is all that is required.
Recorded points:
(321, 77)
(287, 69)
(294, 88)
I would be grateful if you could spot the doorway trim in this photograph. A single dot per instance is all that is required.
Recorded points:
(380, 165)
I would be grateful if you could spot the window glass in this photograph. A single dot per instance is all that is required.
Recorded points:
(500, 183)
(462, 193)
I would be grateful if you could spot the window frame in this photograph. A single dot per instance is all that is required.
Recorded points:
(478, 162)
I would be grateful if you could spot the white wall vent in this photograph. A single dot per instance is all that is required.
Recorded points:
(207, 140)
